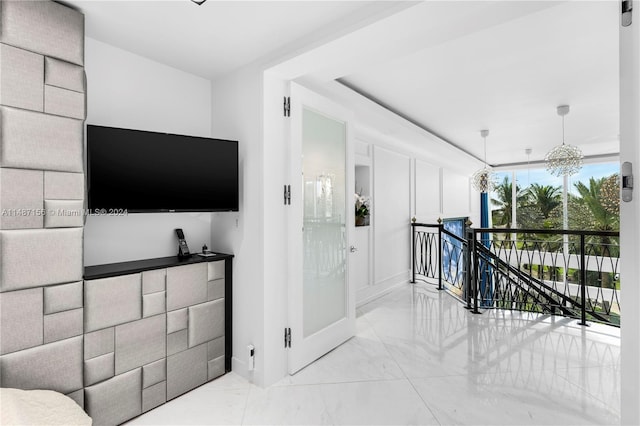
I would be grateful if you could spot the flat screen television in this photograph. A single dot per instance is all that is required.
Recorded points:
(138, 171)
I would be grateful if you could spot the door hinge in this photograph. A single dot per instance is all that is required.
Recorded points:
(287, 337)
(627, 8)
(287, 106)
(287, 195)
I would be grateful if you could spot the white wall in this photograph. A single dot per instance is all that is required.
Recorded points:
(237, 114)
(630, 222)
(428, 192)
(130, 91)
(277, 172)
(456, 193)
(391, 216)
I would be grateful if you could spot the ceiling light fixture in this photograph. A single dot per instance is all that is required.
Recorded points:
(198, 2)
(483, 180)
(564, 160)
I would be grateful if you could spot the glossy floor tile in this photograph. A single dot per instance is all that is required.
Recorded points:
(362, 358)
(287, 405)
(419, 357)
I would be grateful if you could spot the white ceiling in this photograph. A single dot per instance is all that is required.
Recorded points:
(452, 67)
(216, 37)
(509, 78)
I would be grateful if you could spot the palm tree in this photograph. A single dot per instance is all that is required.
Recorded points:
(610, 194)
(543, 211)
(602, 219)
(504, 201)
(590, 210)
(546, 198)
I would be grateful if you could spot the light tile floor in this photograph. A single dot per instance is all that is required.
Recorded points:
(420, 358)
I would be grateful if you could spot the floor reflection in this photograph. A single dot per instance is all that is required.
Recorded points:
(550, 358)
(419, 357)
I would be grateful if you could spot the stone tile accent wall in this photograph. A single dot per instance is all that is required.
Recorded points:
(42, 112)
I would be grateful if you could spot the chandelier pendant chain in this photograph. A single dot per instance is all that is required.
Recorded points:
(485, 151)
(483, 180)
(564, 160)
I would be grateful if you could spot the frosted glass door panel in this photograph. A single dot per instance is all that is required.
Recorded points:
(324, 213)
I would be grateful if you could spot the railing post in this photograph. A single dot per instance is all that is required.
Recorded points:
(583, 282)
(467, 275)
(413, 252)
(476, 271)
(440, 256)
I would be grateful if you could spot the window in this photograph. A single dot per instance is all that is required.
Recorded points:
(500, 201)
(593, 199)
(588, 201)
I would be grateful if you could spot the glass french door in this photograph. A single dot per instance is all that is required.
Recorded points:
(322, 302)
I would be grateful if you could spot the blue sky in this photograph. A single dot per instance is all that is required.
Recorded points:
(542, 177)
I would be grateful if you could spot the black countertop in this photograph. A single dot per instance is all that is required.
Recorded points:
(135, 266)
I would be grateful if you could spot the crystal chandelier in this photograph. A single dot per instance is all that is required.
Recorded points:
(564, 160)
(483, 180)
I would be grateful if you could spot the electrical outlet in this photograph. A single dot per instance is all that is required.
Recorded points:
(252, 357)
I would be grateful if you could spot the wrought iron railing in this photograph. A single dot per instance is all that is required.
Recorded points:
(563, 272)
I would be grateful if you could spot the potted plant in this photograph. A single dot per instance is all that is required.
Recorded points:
(362, 210)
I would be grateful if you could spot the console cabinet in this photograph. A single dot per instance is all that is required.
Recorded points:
(153, 330)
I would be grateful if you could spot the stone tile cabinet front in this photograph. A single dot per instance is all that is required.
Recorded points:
(151, 336)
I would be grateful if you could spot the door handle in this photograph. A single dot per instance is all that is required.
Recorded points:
(353, 249)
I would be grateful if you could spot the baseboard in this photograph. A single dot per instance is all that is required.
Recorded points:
(368, 294)
(240, 367)
(403, 276)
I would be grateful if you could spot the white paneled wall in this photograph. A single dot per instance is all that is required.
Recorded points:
(455, 194)
(428, 197)
(392, 210)
(405, 185)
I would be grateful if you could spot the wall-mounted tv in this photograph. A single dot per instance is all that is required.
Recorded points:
(140, 171)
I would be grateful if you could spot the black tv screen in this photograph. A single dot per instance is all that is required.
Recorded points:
(140, 171)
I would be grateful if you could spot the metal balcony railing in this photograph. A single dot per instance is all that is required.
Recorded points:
(561, 272)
